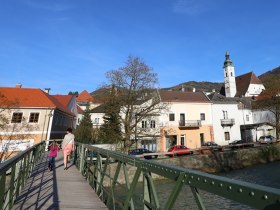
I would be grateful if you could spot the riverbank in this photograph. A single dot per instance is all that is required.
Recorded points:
(221, 161)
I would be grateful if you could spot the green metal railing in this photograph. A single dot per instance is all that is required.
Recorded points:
(107, 170)
(14, 173)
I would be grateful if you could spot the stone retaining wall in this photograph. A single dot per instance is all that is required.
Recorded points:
(228, 160)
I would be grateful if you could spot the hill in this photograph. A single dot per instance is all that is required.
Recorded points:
(198, 86)
(268, 78)
(271, 77)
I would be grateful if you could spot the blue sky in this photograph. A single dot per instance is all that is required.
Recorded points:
(69, 45)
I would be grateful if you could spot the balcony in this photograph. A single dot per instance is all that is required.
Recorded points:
(227, 122)
(190, 124)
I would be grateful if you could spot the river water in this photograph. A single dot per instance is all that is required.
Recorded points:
(265, 174)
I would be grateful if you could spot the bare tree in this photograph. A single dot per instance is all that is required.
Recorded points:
(269, 100)
(138, 98)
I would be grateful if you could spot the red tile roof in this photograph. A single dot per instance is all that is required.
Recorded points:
(62, 101)
(179, 96)
(34, 98)
(84, 97)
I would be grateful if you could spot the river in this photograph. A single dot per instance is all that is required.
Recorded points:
(265, 174)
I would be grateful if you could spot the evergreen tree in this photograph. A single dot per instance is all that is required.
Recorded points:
(84, 131)
(76, 93)
(110, 131)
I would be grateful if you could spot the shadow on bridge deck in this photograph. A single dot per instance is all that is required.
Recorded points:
(57, 189)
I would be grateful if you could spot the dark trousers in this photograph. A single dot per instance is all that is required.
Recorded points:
(51, 162)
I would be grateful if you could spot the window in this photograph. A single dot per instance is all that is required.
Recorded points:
(34, 117)
(96, 121)
(201, 138)
(202, 116)
(227, 137)
(225, 114)
(247, 117)
(153, 124)
(171, 117)
(144, 124)
(17, 117)
(182, 120)
(182, 139)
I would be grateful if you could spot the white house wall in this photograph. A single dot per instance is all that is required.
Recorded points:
(192, 111)
(97, 119)
(245, 117)
(254, 90)
(219, 131)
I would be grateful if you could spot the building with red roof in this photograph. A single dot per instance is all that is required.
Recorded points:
(33, 114)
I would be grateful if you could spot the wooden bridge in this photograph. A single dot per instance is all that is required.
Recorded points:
(58, 189)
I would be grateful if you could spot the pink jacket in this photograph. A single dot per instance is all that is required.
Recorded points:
(53, 151)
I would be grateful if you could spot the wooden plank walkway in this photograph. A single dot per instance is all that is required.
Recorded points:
(58, 189)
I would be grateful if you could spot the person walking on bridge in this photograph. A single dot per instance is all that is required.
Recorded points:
(67, 146)
(52, 155)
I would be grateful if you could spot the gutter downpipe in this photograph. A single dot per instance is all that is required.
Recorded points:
(50, 115)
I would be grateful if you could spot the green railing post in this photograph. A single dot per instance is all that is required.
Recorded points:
(132, 188)
(2, 189)
(198, 199)
(173, 196)
(11, 191)
(149, 191)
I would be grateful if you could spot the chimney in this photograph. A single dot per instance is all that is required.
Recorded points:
(47, 90)
(193, 90)
(18, 85)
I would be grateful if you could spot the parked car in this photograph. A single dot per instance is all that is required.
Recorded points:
(267, 139)
(241, 144)
(91, 155)
(179, 150)
(142, 153)
(237, 142)
(210, 144)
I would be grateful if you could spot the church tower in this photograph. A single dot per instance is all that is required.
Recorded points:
(229, 77)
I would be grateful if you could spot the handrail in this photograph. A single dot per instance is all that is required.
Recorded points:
(14, 173)
(100, 173)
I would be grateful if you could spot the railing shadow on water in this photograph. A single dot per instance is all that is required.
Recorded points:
(125, 182)
(18, 171)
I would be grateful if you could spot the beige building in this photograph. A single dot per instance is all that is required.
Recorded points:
(187, 121)
(30, 115)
